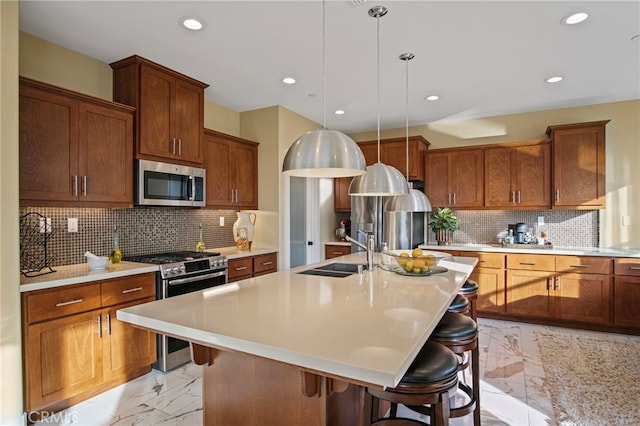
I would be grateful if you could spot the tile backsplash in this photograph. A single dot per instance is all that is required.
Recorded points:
(565, 228)
(141, 231)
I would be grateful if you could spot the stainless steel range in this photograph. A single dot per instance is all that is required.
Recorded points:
(180, 273)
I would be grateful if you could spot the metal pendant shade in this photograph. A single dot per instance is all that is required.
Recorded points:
(380, 179)
(324, 153)
(414, 201)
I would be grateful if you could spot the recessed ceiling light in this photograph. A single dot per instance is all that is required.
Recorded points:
(338, 112)
(289, 80)
(554, 79)
(432, 97)
(192, 24)
(575, 18)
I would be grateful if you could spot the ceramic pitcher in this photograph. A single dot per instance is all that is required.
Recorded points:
(243, 230)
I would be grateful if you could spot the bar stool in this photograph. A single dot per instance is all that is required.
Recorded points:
(459, 333)
(431, 379)
(470, 291)
(459, 305)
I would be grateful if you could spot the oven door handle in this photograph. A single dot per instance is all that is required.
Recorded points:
(198, 278)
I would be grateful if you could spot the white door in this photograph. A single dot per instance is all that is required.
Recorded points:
(305, 221)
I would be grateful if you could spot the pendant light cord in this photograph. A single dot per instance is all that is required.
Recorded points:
(324, 109)
(378, 88)
(407, 115)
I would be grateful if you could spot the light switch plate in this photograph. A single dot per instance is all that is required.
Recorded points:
(540, 220)
(626, 220)
(72, 224)
(221, 220)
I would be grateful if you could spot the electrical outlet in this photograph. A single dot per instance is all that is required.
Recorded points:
(72, 224)
(221, 220)
(540, 220)
(626, 220)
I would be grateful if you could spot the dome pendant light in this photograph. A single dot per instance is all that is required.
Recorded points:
(380, 179)
(324, 153)
(414, 201)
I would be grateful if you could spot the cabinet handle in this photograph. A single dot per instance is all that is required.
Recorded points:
(557, 283)
(634, 268)
(579, 266)
(528, 263)
(75, 185)
(454, 198)
(549, 285)
(241, 268)
(267, 263)
(180, 146)
(173, 146)
(131, 290)
(519, 197)
(513, 197)
(449, 198)
(84, 186)
(70, 302)
(337, 252)
(99, 325)
(557, 195)
(109, 323)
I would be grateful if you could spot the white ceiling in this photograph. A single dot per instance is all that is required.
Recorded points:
(482, 58)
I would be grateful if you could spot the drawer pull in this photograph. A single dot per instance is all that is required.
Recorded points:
(241, 268)
(528, 263)
(481, 261)
(267, 263)
(634, 268)
(337, 252)
(109, 324)
(70, 302)
(580, 266)
(131, 290)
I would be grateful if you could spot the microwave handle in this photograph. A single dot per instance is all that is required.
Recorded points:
(191, 188)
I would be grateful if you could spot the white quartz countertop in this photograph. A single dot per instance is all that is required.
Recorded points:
(571, 251)
(80, 273)
(233, 253)
(366, 328)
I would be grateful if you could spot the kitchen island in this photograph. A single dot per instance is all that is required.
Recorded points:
(290, 349)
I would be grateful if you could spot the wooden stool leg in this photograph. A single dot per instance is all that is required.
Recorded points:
(475, 375)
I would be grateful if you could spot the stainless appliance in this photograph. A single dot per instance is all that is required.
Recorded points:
(400, 230)
(164, 184)
(519, 230)
(180, 273)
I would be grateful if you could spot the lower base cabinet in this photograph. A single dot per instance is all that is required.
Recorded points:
(242, 268)
(74, 346)
(332, 250)
(626, 293)
(489, 274)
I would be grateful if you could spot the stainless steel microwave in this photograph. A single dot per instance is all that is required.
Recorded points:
(164, 184)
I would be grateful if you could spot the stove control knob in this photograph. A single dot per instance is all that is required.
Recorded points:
(182, 269)
(167, 271)
(214, 263)
(174, 270)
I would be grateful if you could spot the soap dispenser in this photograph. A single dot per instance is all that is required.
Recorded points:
(200, 244)
(116, 254)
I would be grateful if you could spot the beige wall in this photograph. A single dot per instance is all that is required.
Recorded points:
(623, 153)
(10, 343)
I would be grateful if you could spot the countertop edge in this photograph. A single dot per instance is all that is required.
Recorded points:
(569, 251)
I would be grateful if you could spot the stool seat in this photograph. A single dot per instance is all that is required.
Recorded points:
(459, 304)
(469, 286)
(455, 326)
(433, 363)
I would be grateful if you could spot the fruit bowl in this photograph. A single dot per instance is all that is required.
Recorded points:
(413, 262)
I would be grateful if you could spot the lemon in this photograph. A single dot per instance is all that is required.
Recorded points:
(430, 260)
(416, 270)
(408, 266)
(417, 252)
(419, 263)
(403, 259)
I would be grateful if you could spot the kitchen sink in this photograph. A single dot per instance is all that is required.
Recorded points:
(336, 270)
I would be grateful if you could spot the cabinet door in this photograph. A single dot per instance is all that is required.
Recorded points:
(579, 166)
(436, 180)
(533, 176)
(395, 154)
(265, 264)
(240, 269)
(217, 161)
(341, 197)
(626, 296)
(245, 175)
(125, 348)
(63, 358)
(48, 145)
(467, 178)
(106, 154)
(188, 121)
(529, 293)
(491, 290)
(156, 91)
(331, 251)
(583, 297)
(370, 152)
(498, 178)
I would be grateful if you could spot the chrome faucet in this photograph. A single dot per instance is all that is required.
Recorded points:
(370, 247)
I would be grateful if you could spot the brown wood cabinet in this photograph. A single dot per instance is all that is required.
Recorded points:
(578, 157)
(626, 292)
(169, 109)
(242, 268)
(518, 176)
(455, 178)
(393, 152)
(490, 276)
(74, 346)
(332, 250)
(74, 148)
(341, 197)
(232, 171)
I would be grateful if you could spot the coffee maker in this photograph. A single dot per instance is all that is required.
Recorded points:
(518, 230)
(343, 230)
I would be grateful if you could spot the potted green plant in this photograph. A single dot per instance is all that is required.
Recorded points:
(443, 223)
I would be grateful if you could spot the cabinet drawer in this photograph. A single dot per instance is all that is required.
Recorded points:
(583, 264)
(242, 267)
(487, 260)
(62, 301)
(531, 262)
(265, 263)
(331, 251)
(627, 266)
(126, 289)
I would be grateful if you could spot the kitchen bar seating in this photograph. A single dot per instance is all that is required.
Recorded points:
(431, 379)
(470, 291)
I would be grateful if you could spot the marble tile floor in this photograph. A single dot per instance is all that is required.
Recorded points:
(512, 389)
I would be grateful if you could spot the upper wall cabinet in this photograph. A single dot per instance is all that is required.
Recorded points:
(454, 178)
(518, 176)
(232, 171)
(393, 152)
(74, 148)
(169, 110)
(578, 165)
